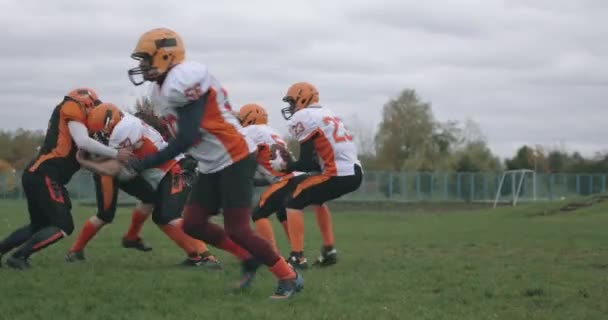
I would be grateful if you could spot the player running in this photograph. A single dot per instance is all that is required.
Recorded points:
(322, 136)
(161, 189)
(281, 185)
(197, 110)
(45, 178)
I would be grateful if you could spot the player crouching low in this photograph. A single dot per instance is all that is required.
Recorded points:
(161, 189)
(281, 185)
(322, 136)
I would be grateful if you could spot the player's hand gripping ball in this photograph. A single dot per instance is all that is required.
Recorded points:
(279, 156)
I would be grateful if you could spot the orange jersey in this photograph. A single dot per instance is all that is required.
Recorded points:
(221, 141)
(144, 140)
(57, 155)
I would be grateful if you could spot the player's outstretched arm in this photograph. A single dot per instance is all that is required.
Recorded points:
(109, 167)
(80, 135)
(188, 121)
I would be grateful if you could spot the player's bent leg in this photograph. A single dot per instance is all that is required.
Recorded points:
(263, 226)
(89, 230)
(311, 190)
(106, 192)
(282, 217)
(236, 192)
(132, 239)
(15, 239)
(197, 225)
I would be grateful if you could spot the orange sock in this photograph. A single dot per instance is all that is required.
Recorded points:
(295, 220)
(137, 221)
(285, 226)
(264, 228)
(180, 238)
(282, 270)
(86, 234)
(325, 226)
(201, 247)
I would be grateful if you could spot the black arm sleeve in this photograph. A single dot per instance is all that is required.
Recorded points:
(307, 162)
(188, 123)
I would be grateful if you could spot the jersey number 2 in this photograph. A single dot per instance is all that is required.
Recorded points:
(337, 126)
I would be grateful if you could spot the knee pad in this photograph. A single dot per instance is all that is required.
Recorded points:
(107, 216)
(159, 218)
(67, 227)
(257, 214)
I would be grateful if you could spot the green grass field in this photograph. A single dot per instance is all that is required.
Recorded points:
(481, 264)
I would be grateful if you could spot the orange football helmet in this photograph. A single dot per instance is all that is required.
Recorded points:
(299, 96)
(157, 51)
(104, 118)
(252, 113)
(85, 97)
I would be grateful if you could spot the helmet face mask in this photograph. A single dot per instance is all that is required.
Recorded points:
(288, 111)
(145, 69)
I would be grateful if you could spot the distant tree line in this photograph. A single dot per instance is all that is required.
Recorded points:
(408, 138)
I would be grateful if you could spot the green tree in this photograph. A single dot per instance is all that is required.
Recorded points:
(406, 130)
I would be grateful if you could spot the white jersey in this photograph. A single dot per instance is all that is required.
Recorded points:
(132, 132)
(222, 142)
(334, 146)
(264, 137)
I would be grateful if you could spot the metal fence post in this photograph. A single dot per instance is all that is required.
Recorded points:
(472, 195)
(390, 185)
(418, 185)
(551, 182)
(445, 186)
(458, 194)
(578, 184)
(603, 183)
(590, 184)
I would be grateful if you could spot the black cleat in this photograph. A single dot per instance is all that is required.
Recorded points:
(75, 256)
(135, 244)
(18, 263)
(297, 260)
(288, 288)
(249, 268)
(328, 257)
(205, 261)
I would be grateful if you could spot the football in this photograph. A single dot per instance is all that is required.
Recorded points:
(283, 152)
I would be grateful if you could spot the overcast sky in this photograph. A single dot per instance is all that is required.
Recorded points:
(528, 71)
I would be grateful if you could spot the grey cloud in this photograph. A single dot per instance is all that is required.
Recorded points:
(527, 71)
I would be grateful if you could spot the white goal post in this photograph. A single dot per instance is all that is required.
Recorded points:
(518, 178)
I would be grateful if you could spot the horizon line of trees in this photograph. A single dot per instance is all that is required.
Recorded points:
(408, 138)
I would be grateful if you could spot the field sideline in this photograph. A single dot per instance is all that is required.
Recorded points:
(481, 264)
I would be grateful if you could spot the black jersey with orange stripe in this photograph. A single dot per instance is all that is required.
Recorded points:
(57, 155)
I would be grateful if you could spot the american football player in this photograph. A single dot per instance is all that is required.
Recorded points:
(161, 189)
(198, 113)
(325, 142)
(281, 185)
(45, 177)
